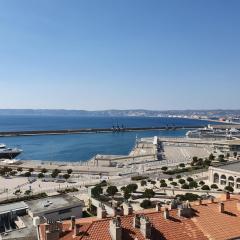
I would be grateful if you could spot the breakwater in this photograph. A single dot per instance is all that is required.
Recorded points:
(89, 130)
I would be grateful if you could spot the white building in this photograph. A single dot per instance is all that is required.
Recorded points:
(226, 175)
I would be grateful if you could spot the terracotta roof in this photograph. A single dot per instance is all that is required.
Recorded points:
(207, 223)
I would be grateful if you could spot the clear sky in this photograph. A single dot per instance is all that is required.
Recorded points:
(125, 54)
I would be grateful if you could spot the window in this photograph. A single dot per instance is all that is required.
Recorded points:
(216, 178)
(223, 180)
(231, 181)
(238, 183)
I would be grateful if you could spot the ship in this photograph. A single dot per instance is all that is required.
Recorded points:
(9, 153)
(210, 132)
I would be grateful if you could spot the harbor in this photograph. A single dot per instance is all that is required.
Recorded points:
(91, 130)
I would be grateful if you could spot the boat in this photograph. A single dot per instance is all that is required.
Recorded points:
(210, 132)
(8, 153)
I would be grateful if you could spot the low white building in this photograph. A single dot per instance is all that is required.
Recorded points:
(55, 208)
(226, 175)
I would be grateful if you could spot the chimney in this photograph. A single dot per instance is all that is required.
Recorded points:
(221, 207)
(185, 210)
(225, 196)
(73, 222)
(145, 227)
(52, 231)
(173, 204)
(115, 228)
(166, 213)
(76, 230)
(101, 211)
(127, 209)
(158, 207)
(136, 221)
(238, 205)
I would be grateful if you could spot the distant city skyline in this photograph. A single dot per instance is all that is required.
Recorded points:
(99, 55)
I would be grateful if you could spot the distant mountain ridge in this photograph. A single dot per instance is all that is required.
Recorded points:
(120, 113)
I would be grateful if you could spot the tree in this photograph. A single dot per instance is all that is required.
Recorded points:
(164, 168)
(27, 192)
(143, 183)
(27, 174)
(146, 204)
(194, 160)
(153, 182)
(132, 187)
(214, 186)
(44, 170)
(112, 190)
(55, 173)
(211, 157)
(181, 181)
(174, 183)
(185, 186)
(201, 183)
(170, 179)
(189, 179)
(148, 193)
(205, 187)
(13, 173)
(19, 169)
(228, 155)
(96, 191)
(69, 171)
(178, 176)
(162, 181)
(31, 170)
(163, 184)
(207, 162)
(221, 158)
(229, 188)
(66, 176)
(182, 165)
(126, 194)
(235, 154)
(193, 184)
(41, 175)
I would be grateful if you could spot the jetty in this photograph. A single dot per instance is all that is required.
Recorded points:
(90, 130)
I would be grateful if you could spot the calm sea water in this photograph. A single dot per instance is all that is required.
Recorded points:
(81, 147)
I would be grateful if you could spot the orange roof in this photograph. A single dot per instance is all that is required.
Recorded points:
(207, 223)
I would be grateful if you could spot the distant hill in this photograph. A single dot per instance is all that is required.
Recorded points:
(120, 113)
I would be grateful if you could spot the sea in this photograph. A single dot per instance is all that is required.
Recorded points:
(84, 146)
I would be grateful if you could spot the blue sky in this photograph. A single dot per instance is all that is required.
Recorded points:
(124, 54)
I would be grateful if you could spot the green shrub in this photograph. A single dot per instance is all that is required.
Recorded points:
(170, 179)
(201, 183)
(189, 179)
(214, 186)
(188, 197)
(185, 186)
(205, 187)
(163, 184)
(193, 184)
(137, 178)
(143, 183)
(229, 188)
(164, 168)
(181, 181)
(148, 193)
(146, 204)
